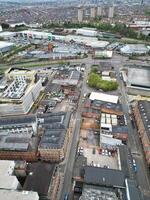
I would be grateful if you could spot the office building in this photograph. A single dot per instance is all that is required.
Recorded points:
(93, 12)
(99, 11)
(111, 12)
(80, 15)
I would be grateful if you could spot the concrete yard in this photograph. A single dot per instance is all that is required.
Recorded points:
(100, 160)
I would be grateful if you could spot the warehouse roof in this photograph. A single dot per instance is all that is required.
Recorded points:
(73, 79)
(17, 195)
(5, 121)
(5, 44)
(95, 192)
(104, 177)
(134, 49)
(144, 108)
(113, 106)
(104, 97)
(7, 34)
(6, 167)
(139, 76)
(108, 141)
(39, 177)
(9, 182)
(119, 129)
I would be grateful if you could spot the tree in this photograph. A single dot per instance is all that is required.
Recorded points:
(95, 81)
(5, 26)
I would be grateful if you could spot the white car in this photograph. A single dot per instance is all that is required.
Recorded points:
(106, 152)
(103, 152)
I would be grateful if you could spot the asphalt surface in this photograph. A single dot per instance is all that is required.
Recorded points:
(142, 175)
(67, 184)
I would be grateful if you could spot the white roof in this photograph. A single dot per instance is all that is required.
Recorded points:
(89, 41)
(16, 195)
(105, 73)
(104, 53)
(104, 97)
(9, 182)
(139, 76)
(7, 33)
(6, 167)
(5, 44)
(86, 31)
(36, 33)
(110, 141)
(134, 48)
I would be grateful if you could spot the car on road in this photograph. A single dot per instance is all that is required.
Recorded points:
(66, 196)
(134, 165)
(93, 151)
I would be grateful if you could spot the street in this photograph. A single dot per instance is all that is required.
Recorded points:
(67, 184)
(134, 144)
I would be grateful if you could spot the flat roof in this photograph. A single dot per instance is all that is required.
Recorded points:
(104, 97)
(18, 195)
(21, 119)
(139, 76)
(120, 129)
(134, 48)
(39, 177)
(108, 141)
(5, 166)
(9, 182)
(7, 33)
(92, 192)
(5, 44)
(104, 177)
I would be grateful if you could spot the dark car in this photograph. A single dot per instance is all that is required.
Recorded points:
(66, 196)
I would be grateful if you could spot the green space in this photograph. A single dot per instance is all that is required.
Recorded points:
(95, 81)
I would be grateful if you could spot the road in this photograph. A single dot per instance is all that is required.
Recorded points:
(142, 176)
(67, 184)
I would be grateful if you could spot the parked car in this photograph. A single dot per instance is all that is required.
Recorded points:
(93, 151)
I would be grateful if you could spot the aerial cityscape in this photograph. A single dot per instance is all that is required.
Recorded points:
(74, 99)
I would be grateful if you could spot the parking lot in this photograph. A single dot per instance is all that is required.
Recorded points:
(99, 160)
